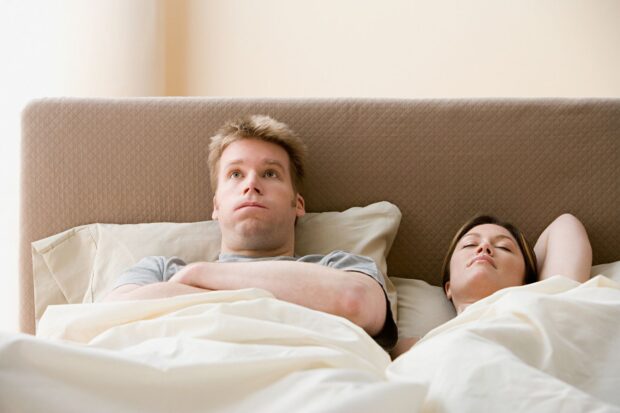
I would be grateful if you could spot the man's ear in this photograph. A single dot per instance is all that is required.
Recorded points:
(214, 214)
(448, 291)
(300, 205)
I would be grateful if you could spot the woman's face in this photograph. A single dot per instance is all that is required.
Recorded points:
(486, 259)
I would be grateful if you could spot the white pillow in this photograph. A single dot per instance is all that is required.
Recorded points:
(82, 263)
(611, 270)
(421, 307)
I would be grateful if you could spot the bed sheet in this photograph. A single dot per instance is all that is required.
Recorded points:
(221, 351)
(549, 346)
(546, 347)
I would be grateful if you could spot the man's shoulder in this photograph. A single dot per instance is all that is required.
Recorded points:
(340, 259)
(159, 261)
(328, 254)
(332, 256)
(150, 269)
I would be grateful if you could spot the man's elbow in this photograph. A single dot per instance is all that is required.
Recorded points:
(364, 304)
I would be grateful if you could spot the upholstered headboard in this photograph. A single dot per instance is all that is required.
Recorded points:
(440, 161)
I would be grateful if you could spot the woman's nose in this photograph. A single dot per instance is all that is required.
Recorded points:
(485, 248)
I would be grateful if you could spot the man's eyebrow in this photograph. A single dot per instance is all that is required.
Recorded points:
(274, 162)
(267, 161)
(234, 162)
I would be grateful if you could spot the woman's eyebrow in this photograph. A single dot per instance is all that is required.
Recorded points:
(501, 236)
(495, 238)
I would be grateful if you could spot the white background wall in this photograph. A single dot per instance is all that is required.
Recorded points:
(64, 48)
(391, 48)
(404, 48)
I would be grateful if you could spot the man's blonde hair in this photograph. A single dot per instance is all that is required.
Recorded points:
(263, 128)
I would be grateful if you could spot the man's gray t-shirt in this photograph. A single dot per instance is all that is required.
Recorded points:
(159, 269)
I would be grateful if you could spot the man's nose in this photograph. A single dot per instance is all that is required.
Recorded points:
(485, 248)
(252, 185)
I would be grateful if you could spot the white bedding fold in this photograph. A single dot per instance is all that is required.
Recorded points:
(549, 346)
(220, 351)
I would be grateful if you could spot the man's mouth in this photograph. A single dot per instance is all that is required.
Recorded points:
(250, 204)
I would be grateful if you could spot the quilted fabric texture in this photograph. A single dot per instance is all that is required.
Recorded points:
(440, 161)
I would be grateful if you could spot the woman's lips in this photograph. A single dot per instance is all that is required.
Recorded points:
(483, 258)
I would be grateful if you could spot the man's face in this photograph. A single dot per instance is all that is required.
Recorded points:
(255, 202)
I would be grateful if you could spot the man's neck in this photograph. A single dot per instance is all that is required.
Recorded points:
(279, 252)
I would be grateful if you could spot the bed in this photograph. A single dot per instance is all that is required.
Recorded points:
(106, 181)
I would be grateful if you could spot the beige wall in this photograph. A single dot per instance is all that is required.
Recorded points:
(400, 48)
(91, 48)
(390, 48)
(66, 48)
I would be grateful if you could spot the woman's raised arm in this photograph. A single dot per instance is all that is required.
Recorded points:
(564, 248)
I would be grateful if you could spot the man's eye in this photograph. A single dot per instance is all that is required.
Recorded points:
(270, 174)
(235, 174)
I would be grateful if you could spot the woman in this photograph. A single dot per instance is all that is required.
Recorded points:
(487, 255)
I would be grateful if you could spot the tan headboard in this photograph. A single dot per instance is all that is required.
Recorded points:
(440, 161)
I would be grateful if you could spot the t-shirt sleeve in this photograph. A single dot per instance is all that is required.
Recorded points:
(346, 261)
(150, 270)
(342, 260)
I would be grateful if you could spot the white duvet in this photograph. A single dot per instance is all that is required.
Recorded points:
(553, 346)
(550, 346)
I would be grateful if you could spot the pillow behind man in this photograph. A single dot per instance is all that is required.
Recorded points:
(82, 263)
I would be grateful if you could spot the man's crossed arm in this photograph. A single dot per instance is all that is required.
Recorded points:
(349, 294)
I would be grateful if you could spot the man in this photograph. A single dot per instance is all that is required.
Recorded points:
(256, 169)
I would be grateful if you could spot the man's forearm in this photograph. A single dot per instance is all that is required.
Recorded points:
(150, 291)
(353, 295)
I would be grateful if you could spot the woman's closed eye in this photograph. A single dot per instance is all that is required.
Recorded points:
(501, 247)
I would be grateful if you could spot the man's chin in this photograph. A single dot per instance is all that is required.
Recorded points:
(252, 227)
(255, 232)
